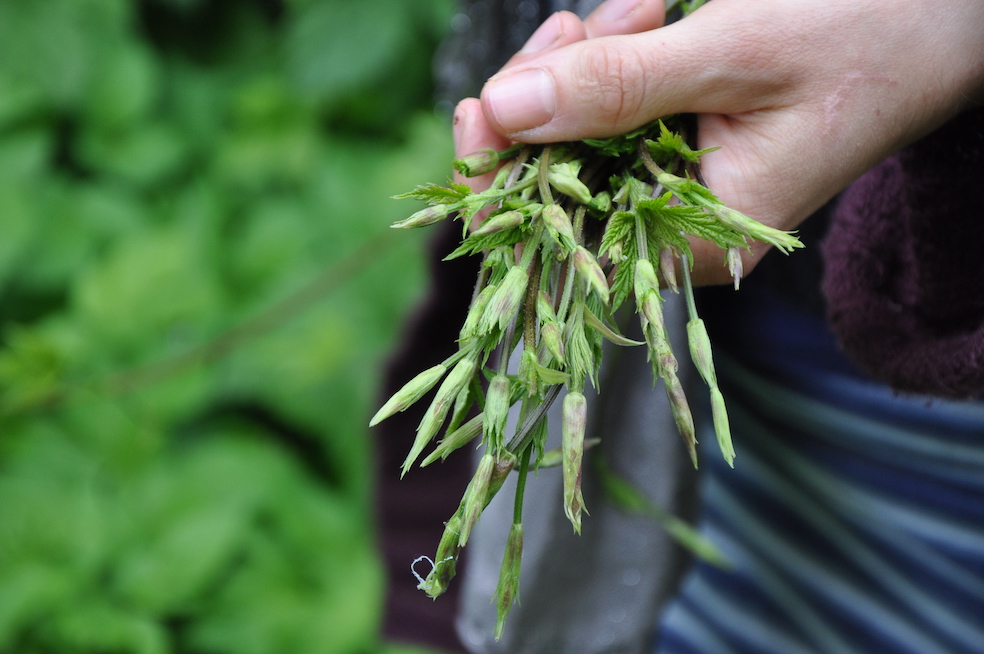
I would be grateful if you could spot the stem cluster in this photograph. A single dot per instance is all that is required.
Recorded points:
(571, 232)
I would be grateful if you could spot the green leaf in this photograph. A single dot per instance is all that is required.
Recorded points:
(436, 194)
(478, 242)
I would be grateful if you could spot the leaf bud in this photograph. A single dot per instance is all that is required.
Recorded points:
(474, 499)
(563, 177)
(551, 336)
(431, 423)
(667, 266)
(507, 590)
(615, 252)
(446, 559)
(559, 226)
(528, 374)
(645, 278)
(722, 427)
(475, 312)
(673, 182)
(601, 203)
(504, 464)
(506, 300)
(412, 391)
(424, 217)
(497, 403)
(784, 241)
(587, 266)
(499, 222)
(648, 299)
(477, 163)
(682, 415)
(545, 308)
(700, 351)
(461, 436)
(573, 424)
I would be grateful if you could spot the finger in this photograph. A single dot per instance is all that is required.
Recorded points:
(562, 28)
(471, 132)
(625, 17)
(710, 62)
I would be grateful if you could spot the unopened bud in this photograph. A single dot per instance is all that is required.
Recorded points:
(563, 177)
(601, 203)
(504, 464)
(412, 391)
(645, 278)
(499, 222)
(574, 422)
(667, 266)
(587, 266)
(744, 225)
(615, 251)
(507, 590)
(545, 308)
(445, 560)
(431, 423)
(672, 182)
(648, 300)
(551, 336)
(506, 300)
(497, 403)
(475, 313)
(424, 217)
(652, 310)
(528, 373)
(559, 226)
(722, 427)
(461, 436)
(682, 415)
(477, 163)
(473, 501)
(700, 351)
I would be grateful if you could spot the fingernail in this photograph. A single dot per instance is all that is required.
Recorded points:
(544, 35)
(615, 10)
(522, 100)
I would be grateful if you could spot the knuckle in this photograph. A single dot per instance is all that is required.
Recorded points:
(615, 81)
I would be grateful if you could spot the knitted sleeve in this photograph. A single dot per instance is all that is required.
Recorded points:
(904, 257)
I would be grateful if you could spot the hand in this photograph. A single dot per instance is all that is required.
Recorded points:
(802, 96)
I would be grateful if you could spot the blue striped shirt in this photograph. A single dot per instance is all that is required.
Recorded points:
(854, 518)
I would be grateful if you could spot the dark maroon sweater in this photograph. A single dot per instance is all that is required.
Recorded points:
(904, 280)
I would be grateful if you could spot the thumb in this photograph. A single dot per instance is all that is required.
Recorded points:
(609, 85)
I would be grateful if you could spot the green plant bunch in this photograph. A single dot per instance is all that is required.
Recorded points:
(568, 233)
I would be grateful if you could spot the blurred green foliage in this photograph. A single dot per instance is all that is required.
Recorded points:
(189, 349)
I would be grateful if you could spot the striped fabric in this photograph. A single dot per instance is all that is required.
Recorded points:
(854, 519)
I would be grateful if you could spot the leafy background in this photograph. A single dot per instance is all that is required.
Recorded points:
(197, 289)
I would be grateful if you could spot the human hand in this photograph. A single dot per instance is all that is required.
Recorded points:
(802, 96)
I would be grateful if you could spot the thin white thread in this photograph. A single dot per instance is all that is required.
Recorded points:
(417, 560)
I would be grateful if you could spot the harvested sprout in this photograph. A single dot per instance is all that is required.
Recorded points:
(570, 232)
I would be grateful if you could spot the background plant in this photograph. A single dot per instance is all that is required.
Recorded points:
(189, 332)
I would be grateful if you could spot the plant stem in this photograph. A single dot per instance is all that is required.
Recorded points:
(688, 286)
(545, 194)
(524, 467)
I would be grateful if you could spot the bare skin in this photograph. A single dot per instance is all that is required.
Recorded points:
(802, 96)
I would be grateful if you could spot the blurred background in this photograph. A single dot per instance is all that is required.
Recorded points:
(198, 290)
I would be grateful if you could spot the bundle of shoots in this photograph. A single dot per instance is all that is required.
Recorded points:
(569, 233)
